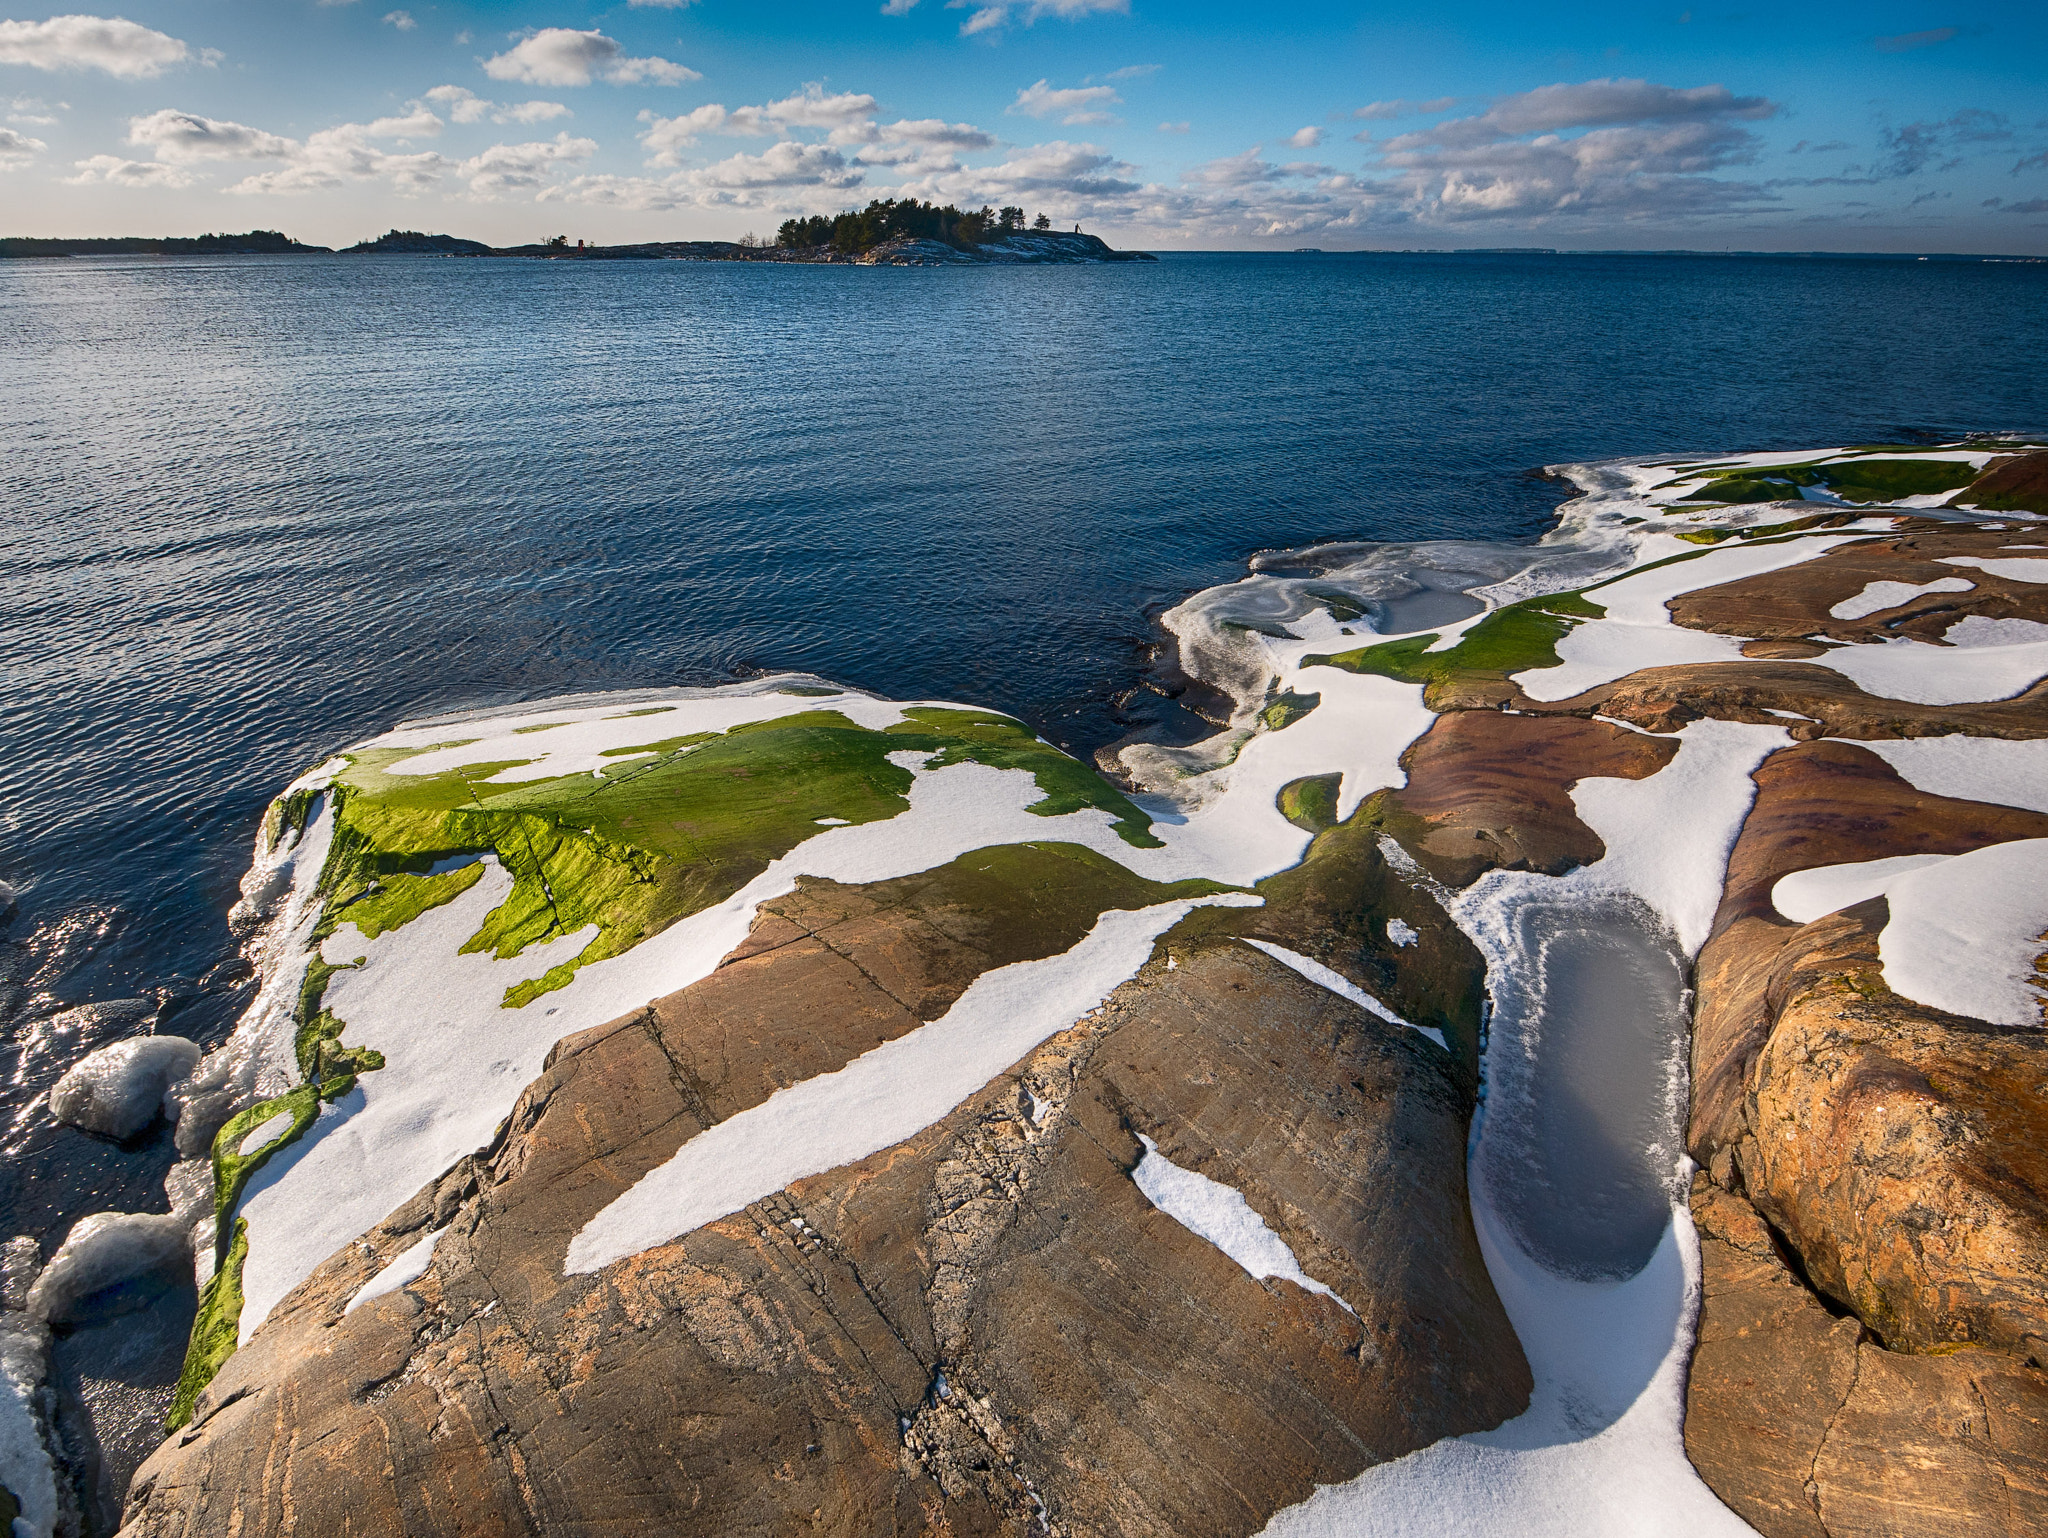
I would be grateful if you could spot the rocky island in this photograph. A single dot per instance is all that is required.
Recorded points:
(1570, 1040)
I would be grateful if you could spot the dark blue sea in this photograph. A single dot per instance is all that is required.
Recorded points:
(257, 508)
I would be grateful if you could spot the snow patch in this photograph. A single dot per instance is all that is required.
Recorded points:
(1343, 987)
(1638, 632)
(1939, 675)
(261, 1136)
(1401, 932)
(1965, 930)
(1876, 597)
(1220, 1214)
(1806, 895)
(2013, 568)
(1598, 1453)
(1990, 769)
(402, 1270)
(1982, 630)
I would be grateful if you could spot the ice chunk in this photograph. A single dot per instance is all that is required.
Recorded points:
(134, 1251)
(1220, 1214)
(118, 1090)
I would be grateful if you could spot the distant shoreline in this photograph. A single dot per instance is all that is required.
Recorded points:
(1019, 248)
(1011, 248)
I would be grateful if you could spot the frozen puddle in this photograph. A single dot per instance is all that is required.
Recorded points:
(1575, 1180)
(1582, 1134)
(1578, 1174)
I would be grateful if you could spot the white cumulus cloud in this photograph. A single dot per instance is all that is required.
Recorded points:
(507, 168)
(1075, 104)
(1001, 12)
(119, 47)
(17, 148)
(1305, 138)
(464, 106)
(113, 171)
(401, 19)
(1404, 108)
(564, 56)
(184, 137)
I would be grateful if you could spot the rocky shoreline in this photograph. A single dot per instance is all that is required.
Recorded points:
(607, 1149)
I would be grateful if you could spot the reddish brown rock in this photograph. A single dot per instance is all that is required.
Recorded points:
(2018, 481)
(1794, 602)
(1493, 790)
(1808, 1428)
(1667, 699)
(1820, 803)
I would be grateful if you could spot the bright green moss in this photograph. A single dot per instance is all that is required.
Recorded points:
(1509, 640)
(1288, 708)
(1856, 480)
(660, 837)
(215, 1331)
(400, 899)
(1311, 804)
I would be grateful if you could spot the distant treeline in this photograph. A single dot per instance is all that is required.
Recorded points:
(886, 219)
(256, 241)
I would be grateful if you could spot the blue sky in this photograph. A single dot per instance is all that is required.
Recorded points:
(1914, 125)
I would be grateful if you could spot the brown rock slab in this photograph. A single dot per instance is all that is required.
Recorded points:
(2007, 483)
(979, 1330)
(1493, 790)
(1808, 1428)
(1819, 803)
(1793, 603)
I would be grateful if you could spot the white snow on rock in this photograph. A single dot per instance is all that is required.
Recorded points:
(2019, 568)
(587, 739)
(1600, 1452)
(1964, 935)
(1343, 987)
(1993, 769)
(1220, 1214)
(1806, 895)
(1876, 597)
(456, 1059)
(1965, 930)
(883, 1096)
(1401, 932)
(1638, 631)
(118, 1090)
(402, 1270)
(1668, 835)
(1939, 675)
(1983, 630)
